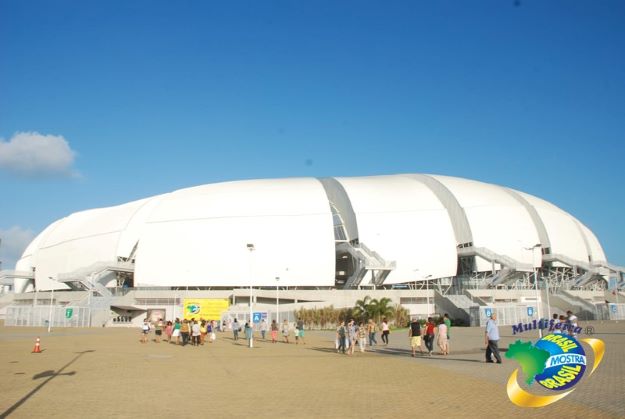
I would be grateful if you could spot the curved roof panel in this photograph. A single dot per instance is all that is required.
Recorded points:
(199, 236)
(498, 221)
(565, 237)
(403, 221)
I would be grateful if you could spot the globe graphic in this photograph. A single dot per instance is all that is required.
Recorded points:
(551, 372)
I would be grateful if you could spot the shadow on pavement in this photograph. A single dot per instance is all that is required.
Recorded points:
(50, 374)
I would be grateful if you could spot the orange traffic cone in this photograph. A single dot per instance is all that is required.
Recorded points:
(37, 349)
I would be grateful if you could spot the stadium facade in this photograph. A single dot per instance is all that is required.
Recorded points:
(384, 235)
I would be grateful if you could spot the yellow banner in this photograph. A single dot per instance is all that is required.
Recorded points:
(204, 308)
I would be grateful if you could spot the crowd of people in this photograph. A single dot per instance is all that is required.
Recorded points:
(422, 337)
(181, 332)
(197, 332)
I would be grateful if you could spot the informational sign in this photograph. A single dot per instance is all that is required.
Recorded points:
(204, 308)
(69, 312)
(488, 311)
(613, 307)
(257, 317)
(530, 311)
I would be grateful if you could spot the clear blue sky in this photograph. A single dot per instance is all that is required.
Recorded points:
(152, 96)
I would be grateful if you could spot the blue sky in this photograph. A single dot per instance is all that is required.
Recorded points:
(103, 102)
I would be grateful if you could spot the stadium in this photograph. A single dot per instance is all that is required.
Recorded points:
(431, 243)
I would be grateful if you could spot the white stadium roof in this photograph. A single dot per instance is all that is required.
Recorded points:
(413, 223)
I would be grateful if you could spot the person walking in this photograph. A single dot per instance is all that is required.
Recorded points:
(158, 331)
(442, 338)
(145, 329)
(184, 332)
(249, 333)
(385, 331)
(447, 321)
(196, 332)
(274, 331)
(414, 333)
(176, 331)
(285, 331)
(352, 334)
(341, 337)
(169, 330)
(235, 329)
(203, 331)
(428, 335)
(263, 329)
(372, 328)
(491, 339)
(300, 331)
(210, 331)
(571, 321)
(362, 336)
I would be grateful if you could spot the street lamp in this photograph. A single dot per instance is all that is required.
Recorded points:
(251, 248)
(533, 250)
(427, 288)
(50, 311)
(277, 301)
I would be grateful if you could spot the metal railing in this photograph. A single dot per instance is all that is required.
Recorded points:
(53, 316)
(507, 315)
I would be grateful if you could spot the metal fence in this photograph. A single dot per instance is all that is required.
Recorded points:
(54, 316)
(506, 315)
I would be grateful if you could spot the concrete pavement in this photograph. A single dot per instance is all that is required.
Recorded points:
(108, 373)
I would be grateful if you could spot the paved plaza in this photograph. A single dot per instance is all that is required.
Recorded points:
(108, 373)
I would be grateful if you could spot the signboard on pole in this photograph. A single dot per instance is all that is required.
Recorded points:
(488, 311)
(530, 311)
(69, 312)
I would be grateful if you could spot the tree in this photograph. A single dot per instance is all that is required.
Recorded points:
(363, 310)
(401, 315)
(382, 308)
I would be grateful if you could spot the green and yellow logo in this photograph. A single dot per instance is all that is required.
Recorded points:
(556, 362)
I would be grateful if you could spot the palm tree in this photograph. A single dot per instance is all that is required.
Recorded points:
(363, 308)
(401, 315)
(382, 308)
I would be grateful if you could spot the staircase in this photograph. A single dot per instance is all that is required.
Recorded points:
(459, 306)
(509, 266)
(367, 261)
(88, 278)
(583, 309)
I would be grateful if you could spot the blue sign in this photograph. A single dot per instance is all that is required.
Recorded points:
(257, 317)
(530, 311)
(488, 311)
(613, 308)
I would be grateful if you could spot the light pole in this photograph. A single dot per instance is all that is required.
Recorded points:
(427, 288)
(251, 248)
(277, 300)
(548, 303)
(617, 307)
(533, 250)
(50, 311)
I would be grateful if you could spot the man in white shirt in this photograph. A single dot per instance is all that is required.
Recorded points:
(571, 322)
(491, 339)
